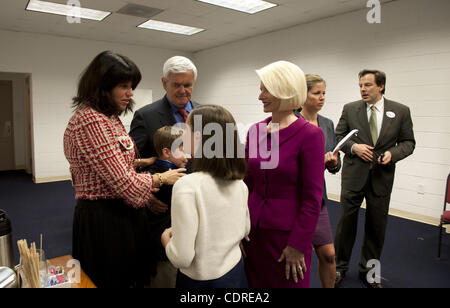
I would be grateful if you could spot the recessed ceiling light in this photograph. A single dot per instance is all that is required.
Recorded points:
(169, 27)
(246, 6)
(66, 10)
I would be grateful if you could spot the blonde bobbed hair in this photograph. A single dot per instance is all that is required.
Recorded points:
(285, 81)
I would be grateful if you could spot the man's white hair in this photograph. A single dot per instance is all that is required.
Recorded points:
(178, 64)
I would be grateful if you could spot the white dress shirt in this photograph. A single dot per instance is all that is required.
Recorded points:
(379, 109)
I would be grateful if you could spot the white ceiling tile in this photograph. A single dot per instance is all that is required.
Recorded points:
(222, 25)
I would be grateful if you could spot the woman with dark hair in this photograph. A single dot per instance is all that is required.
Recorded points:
(110, 232)
(209, 207)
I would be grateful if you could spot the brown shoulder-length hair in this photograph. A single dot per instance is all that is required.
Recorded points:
(222, 165)
(105, 72)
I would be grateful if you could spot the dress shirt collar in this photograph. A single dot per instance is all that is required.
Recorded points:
(379, 106)
(175, 109)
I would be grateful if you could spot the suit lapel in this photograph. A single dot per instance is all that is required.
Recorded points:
(166, 114)
(281, 136)
(293, 129)
(278, 137)
(362, 116)
(387, 121)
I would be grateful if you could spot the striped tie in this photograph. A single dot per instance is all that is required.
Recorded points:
(184, 114)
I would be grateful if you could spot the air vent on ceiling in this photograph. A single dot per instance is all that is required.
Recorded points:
(139, 11)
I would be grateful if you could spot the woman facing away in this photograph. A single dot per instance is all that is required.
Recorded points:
(209, 207)
(110, 232)
(285, 197)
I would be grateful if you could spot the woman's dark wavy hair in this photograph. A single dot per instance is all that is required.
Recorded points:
(105, 72)
(225, 168)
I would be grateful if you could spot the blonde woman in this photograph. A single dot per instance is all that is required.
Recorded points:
(323, 237)
(284, 201)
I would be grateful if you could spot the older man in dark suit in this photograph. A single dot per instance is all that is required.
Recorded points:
(385, 137)
(179, 75)
(178, 81)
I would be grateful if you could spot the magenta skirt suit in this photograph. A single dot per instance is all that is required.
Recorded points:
(285, 181)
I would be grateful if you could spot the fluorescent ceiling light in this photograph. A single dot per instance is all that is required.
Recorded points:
(169, 27)
(246, 6)
(66, 10)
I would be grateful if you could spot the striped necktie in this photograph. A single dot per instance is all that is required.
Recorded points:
(183, 113)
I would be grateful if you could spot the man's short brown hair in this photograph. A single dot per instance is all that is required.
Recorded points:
(165, 137)
(380, 77)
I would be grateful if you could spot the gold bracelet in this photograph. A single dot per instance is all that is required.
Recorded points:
(161, 179)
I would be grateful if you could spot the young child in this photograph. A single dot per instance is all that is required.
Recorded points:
(210, 215)
(163, 140)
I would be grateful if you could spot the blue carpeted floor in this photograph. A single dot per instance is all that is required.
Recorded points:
(38, 208)
(409, 258)
(408, 261)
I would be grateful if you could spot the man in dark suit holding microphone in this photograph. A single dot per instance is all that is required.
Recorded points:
(385, 137)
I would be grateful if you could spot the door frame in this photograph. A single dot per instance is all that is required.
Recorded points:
(29, 165)
(13, 149)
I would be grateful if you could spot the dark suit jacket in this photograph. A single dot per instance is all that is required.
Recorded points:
(160, 222)
(330, 143)
(327, 127)
(147, 120)
(396, 136)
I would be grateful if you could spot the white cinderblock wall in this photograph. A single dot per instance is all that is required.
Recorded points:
(412, 45)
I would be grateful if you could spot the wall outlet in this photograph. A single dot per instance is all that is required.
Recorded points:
(421, 189)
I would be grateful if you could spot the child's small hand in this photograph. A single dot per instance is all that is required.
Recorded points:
(156, 206)
(165, 237)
